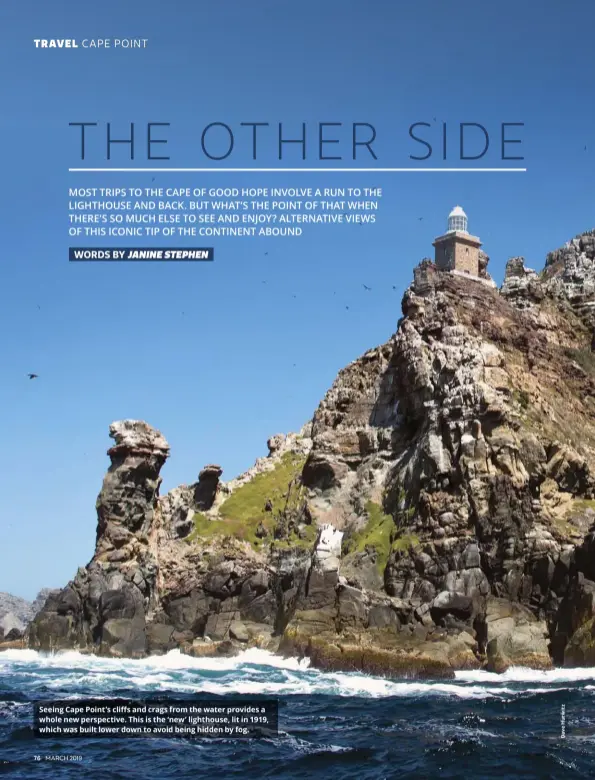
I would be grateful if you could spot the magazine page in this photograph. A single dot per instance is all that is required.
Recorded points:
(298, 401)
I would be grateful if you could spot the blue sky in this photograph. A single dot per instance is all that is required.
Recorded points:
(206, 352)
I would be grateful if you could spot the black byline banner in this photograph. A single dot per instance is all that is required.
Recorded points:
(124, 254)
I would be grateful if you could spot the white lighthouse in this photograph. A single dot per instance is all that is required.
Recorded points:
(457, 220)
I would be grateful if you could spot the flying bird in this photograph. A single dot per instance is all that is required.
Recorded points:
(420, 218)
(366, 287)
(347, 307)
(394, 287)
(33, 376)
(266, 253)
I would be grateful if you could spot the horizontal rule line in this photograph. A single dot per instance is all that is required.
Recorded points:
(297, 170)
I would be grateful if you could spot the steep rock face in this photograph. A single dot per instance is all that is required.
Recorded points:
(106, 604)
(434, 515)
(474, 430)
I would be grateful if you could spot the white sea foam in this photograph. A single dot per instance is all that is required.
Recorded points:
(253, 656)
(521, 674)
(257, 671)
(172, 660)
(18, 655)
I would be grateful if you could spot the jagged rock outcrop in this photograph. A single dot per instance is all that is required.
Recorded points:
(521, 286)
(568, 279)
(206, 488)
(569, 274)
(106, 605)
(436, 514)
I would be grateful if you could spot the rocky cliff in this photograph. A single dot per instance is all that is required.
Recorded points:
(435, 514)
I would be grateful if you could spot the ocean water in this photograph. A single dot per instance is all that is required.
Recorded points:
(331, 725)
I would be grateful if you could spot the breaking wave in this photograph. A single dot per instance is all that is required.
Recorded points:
(257, 671)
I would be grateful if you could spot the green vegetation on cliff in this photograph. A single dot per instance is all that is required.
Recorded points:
(405, 542)
(577, 517)
(380, 534)
(375, 534)
(523, 398)
(244, 511)
(580, 505)
(204, 528)
(247, 502)
(306, 540)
